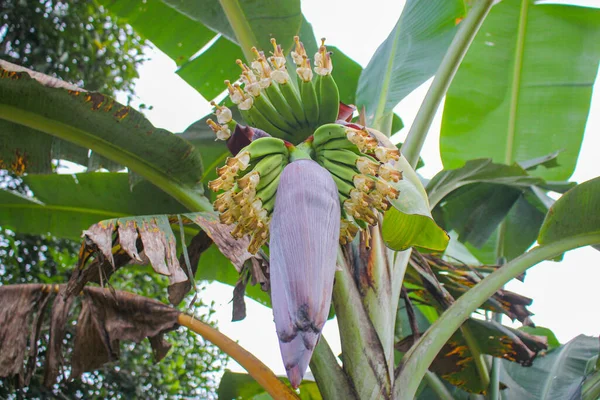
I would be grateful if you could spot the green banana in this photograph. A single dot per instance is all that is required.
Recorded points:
(341, 156)
(343, 187)
(269, 163)
(269, 205)
(265, 146)
(318, 92)
(328, 132)
(343, 198)
(268, 177)
(269, 190)
(281, 105)
(310, 103)
(261, 122)
(329, 99)
(363, 225)
(246, 115)
(292, 98)
(344, 172)
(267, 109)
(340, 144)
(326, 88)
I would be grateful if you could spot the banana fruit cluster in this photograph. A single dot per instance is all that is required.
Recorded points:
(315, 159)
(302, 111)
(268, 99)
(249, 181)
(362, 172)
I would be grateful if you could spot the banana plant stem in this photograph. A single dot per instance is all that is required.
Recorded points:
(443, 77)
(421, 355)
(478, 357)
(333, 383)
(494, 387)
(436, 384)
(241, 27)
(259, 371)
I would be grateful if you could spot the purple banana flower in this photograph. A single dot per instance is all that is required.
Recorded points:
(305, 230)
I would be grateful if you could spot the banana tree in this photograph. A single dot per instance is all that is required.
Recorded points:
(314, 201)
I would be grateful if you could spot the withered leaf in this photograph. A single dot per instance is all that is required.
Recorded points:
(107, 318)
(153, 234)
(100, 235)
(54, 356)
(21, 314)
(98, 271)
(239, 305)
(128, 239)
(199, 244)
(455, 361)
(234, 249)
(443, 281)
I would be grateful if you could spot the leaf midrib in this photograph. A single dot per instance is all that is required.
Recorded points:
(551, 374)
(380, 111)
(516, 83)
(54, 207)
(174, 188)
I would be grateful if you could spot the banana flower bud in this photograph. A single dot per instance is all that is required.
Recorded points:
(305, 229)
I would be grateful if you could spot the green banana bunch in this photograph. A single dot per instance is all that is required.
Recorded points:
(362, 173)
(268, 100)
(249, 181)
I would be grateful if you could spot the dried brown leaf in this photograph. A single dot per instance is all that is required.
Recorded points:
(58, 325)
(152, 233)
(128, 239)
(239, 305)
(198, 245)
(234, 249)
(21, 314)
(100, 235)
(107, 318)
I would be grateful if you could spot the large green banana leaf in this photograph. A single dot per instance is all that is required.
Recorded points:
(575, 214)
(524, 87)
(198, 36)
(474, 199)
(65, 205)
(41, 114)
(408, 57)
(558, 375)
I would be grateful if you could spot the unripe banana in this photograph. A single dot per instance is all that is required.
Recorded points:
(344, 172)
(343, 186)
(329, 101)
(269, 191)
(261, 122)
(340, 144)
(310, 103)
(267, 178)
(326, 88)
(269, 163)
(341, 156)
(292, 97)
(262, 104)
(282, 106)
(328, 132)
(265, 146)
(246, 115)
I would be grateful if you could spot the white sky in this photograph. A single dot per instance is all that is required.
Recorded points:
(563, 293)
